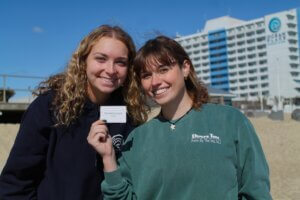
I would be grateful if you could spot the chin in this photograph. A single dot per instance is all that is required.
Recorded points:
(108, 90)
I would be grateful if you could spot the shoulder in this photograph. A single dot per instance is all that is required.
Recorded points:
(43, 99)
(40, 106)
(219, 109)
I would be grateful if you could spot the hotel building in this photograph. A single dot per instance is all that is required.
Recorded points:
(256, 60)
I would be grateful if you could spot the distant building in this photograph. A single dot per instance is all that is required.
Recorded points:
(258, 60)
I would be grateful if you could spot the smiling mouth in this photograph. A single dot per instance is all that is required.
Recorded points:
(159, 91)
(108, 80)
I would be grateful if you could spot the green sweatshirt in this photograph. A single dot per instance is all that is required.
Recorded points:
(212, 154)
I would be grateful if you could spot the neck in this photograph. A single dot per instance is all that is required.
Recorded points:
(97, 97)
(175, 110)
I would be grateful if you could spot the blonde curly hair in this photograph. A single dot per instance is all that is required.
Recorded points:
(70, 87)
(165, 51)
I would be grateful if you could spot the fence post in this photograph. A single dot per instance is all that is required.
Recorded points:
(4, 89)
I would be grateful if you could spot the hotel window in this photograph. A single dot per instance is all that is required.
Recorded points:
(242, 65)
(293, 57)
(295, 74)
(251, 56)
(265, 77)
(231, 52)
(251, 63)
(260, 39)
(291, 25)
(242, 80)
(242, 72)
(250, 26)
(241, 58)
(260, 31)
(261, 46)
(260, 24)
(197, 58)
(242, 50)
(292, 33)
(252, 48)
(188, 47)
(265, 93)
(254, 94)
(262, 54)
(261, 62)
(244, 95)
(243, 87)
(232, 66)
(249, 34)
(231, 44)
(230, 37)
(253, 79)
(204, 43)
(196, 45)
(240, 43)
(233, 74)
(265, 69)
(252, 71)
(290, 16)
(241, 35)
(294, 65)
(292, 41)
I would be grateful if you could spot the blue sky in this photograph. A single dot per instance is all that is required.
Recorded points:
(38, 37)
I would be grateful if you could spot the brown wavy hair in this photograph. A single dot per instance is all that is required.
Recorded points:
(70, 86)
(167, 52)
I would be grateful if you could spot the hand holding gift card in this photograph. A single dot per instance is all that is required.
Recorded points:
(113, 114)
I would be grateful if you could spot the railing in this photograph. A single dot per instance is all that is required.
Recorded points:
(6, 87)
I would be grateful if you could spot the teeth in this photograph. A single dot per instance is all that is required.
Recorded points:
(159, 91)
(108, 79)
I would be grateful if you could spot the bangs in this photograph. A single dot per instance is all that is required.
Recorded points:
(148, 58)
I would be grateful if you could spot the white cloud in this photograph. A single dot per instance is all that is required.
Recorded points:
(37, 29)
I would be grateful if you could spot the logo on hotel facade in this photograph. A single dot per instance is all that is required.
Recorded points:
(274, 25)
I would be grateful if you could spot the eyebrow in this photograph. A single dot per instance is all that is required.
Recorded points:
(103, 54)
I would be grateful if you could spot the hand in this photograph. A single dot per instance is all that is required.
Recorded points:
(101, 141)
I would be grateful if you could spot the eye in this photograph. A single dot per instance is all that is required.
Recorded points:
(122, 63)
(100, 59)
(163, 69)
(145, 75)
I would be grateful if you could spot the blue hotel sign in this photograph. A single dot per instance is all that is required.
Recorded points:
(276, 37)
(274, 25)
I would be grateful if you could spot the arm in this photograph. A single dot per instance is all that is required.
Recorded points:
(253, 171)
(26, 163)
(117, 184)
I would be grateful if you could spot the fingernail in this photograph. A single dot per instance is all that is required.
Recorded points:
(104, 120)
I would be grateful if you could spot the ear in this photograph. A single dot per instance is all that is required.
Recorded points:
(186, 66)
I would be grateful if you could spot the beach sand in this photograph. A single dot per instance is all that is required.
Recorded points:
(280, 141)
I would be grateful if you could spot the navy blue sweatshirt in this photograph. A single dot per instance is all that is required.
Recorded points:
(56, 163)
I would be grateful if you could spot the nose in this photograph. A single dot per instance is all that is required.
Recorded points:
(155, 80)
(110, 68)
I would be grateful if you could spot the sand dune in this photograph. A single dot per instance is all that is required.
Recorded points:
(280, 141)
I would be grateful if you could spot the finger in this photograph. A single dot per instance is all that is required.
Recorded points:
(99, 137)
(99, 122)
(100, 128)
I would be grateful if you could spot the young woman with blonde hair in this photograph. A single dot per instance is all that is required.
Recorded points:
(192, 149)
(51, 158)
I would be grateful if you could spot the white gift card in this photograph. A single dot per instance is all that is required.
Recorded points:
(113, 114)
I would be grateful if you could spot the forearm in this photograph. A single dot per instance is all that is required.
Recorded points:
(109, 163)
